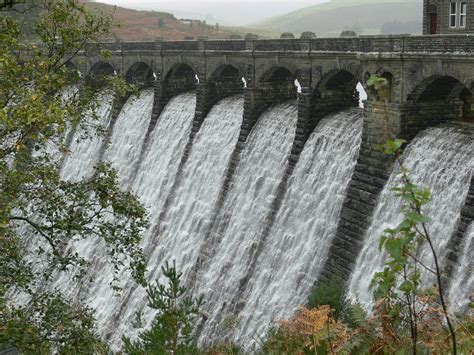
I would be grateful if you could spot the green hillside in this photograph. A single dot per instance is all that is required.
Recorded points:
(363, 16)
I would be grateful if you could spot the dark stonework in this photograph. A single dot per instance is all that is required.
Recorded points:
(371, 172)
(457, 241)
(436, 17)
(431, 82)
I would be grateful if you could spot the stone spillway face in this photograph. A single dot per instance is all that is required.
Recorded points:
(249, 267)
(439, 159)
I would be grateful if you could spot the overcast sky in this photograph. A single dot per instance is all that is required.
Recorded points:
(231, 12)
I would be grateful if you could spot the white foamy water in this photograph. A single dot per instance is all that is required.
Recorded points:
(123, 150)
(156, 173)
(298, 243)
(84, 153)
(188, 218)
(241, 220)
(441, 160)
(129, 134)
(462, 286)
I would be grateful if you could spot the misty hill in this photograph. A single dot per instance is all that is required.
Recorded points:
(362, 16)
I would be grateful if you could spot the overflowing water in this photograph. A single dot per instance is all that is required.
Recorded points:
(187, 221)
(84, 153)
(244, 277)
(242, 217)
(122, 151)
(441, 160)
(305, 225)
(128, 135)
(155, 176)
(461, 292)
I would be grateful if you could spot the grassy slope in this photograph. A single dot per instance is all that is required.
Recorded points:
(333, 17)
(137, 25)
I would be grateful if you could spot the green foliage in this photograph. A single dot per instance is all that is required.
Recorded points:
(40, 213)
(49, 324)
(380, 87)
(397, 288)
(172, 328)
(331, 293)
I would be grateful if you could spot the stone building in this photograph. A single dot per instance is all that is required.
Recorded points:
(448, 16)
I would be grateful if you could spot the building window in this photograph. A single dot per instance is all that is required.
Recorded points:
(462, 14)
(453, 11)
(457, 13)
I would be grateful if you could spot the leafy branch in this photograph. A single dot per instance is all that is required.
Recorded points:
(402, 245)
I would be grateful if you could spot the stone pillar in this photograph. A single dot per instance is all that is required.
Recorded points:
(158, 104)
(457, 243)
(372, 171)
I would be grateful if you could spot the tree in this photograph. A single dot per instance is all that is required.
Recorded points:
(171, 331)
(40, 213)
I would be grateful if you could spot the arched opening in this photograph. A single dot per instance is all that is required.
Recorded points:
(225, 81)
(436, 100)
(181, 78)
(140, 74)
(336, 91)
(99, 73)
(278, 85)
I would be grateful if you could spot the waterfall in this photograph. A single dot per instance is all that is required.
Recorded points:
(440, 159)
(123, 149)
(217, 249)
(129, 133)
(156, 173)
(188, 218)
(305, 225)
(462, 286)
(84, 153)
(240, 221)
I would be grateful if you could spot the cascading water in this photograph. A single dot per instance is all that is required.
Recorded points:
(155, 176)
(441, 160)
(462, 286)
(129, 134)
(187, 220)
(243, 214)
(305, 225)
(292, 256)
(156, 172)
(84, 153)
(126, 140)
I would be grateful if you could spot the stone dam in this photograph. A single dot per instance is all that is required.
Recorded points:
(261, 172)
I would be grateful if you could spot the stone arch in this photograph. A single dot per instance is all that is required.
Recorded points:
(140, 74)
(180, 78)
(278, 84)
(436, 99)
(336, 91)
(180, 70)
(99, 72)
(225, 81)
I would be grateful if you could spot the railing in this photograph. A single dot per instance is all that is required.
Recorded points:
(362, 44)
(225, 45)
